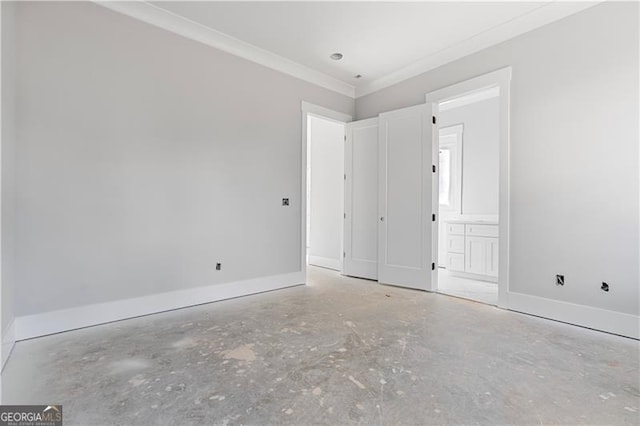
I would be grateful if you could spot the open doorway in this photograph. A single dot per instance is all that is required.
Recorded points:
(468, 156)
(325, 192)
(472, 200)
(322, 187)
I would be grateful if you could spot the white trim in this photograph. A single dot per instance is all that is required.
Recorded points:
(586, 316)
(472, 98)
(545, 14)
(8, 342)
(325, 113)
(502, 79)
(155, 15)
(477, 277)
(480, 83)
(325, 262)
(307, 109)
(27, 327)
(159, 17)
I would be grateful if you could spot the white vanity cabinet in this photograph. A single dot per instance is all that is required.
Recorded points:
(472, 249)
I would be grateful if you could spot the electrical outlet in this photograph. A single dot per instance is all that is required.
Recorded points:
(218, 266)
(559, 279)
(285, 201)
(604, 286)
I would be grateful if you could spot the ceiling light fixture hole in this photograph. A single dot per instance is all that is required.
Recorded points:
(336, 56)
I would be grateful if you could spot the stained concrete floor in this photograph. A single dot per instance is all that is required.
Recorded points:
(337, 351)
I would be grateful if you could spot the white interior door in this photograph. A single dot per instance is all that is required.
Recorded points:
(361, 199)
(405, 197)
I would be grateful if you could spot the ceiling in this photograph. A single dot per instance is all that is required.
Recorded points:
(385, 42)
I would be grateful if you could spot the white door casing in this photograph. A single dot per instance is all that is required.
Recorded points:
(405, 197)
(500, 78)
(361, 199)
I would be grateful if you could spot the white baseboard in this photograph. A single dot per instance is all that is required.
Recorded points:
(27, 327)
(471, 276)
(586, 316)
(325, 262)
(8, 341)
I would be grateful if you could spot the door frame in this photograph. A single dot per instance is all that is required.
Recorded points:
(309, 109)
(502, 79)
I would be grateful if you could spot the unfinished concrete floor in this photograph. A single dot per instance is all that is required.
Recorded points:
(337, 351)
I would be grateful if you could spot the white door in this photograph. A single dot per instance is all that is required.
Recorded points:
(405, 194)
(361, 199)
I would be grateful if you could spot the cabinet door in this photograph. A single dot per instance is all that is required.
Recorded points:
(491, 257)
(455, 244)
(455, 262)
(475, 255)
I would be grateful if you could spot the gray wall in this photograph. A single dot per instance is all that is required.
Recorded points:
(144, 158)
(574, 152)
(8, 163)
(480, 154)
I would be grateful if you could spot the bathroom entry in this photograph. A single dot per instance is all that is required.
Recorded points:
(468, 158)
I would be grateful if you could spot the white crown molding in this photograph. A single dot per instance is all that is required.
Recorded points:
(538, 17)
(185, 27)
(175, 23)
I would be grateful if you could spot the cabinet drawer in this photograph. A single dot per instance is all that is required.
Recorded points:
(455, 228)
(455, 262)
(482, 230)
(455, 244)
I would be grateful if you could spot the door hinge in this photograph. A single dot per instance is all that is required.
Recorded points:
(345, 176)
(433, 119)
(433, 266)
(345, 215)
(345, 138)
(344, 254)
(433, 168)
(433, 217)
